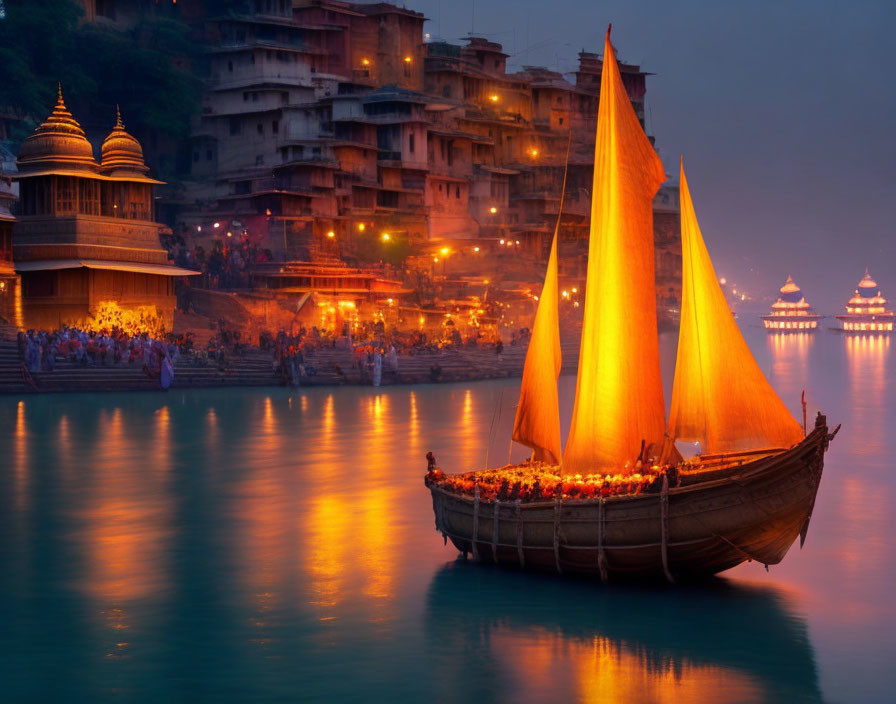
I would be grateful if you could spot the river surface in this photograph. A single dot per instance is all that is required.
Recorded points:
(245, 545)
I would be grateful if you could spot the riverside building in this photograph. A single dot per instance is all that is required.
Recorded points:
(85, 243)
(334, 131)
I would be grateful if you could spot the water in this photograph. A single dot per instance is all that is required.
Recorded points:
(275, 545)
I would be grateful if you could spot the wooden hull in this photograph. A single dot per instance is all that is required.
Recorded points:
(753, 511)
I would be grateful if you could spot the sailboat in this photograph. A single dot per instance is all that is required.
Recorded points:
(618, 500)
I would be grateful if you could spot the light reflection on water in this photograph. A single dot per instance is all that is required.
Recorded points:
(249, 545)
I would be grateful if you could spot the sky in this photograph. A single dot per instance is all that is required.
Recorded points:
(784, 111)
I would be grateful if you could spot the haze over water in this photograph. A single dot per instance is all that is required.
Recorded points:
(279, 545)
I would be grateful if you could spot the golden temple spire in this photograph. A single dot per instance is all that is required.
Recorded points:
(720, 397)
(118, 123)
(619, 395)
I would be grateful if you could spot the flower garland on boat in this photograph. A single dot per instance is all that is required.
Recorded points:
(534, 481)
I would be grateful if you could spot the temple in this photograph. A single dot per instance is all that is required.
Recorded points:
(85, 240)
(866, 310)
(791, 311)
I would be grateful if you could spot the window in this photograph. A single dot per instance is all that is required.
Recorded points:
(561, 120)
(255, 97)
(234, 126)
(259, 128)
(275, 126)
(411, 142)
(230, 66)
(457, 192)
(245, 96)
(66, 196)
(259, 160)
(208, 154)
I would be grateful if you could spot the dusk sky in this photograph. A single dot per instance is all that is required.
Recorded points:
(784, 112)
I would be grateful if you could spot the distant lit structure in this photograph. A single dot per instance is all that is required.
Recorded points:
(85, 238)
(791, 311)
(866, 310)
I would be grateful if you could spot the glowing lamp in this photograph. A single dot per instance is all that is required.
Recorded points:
(502, 241)
(444, 250)
(575, 290)
(533, 152)
(331, 234)
(565, 294)
(216, 225)
(199, 228)
(229, 233)
(407, 59)
(475, 249)
(361, 227)
(493, 210)
(493, 97)
(386, 237)
(365, 62)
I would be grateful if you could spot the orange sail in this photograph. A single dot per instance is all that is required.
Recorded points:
(720, 397)
(619, 395)
(537, 422)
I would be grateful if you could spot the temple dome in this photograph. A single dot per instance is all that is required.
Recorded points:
(122, 151)
(59, 142)
(790, 292)
(867, 286)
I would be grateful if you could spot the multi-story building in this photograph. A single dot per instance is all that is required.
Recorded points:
(331, 130)
(85, 235)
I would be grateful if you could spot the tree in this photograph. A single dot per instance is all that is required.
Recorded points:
(150, 70)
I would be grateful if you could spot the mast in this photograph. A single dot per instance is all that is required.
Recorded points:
(537, 421)
(619, 395)
(720, 397)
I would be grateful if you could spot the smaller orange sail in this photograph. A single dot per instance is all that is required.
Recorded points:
(537, 421)
(720, 397)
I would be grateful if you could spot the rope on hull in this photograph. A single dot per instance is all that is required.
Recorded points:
(475, 535)
(664, 528)
(557, 508)
(601, 555)
(496, 510)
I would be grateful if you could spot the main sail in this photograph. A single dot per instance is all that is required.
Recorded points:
(720, 397)
(619, 395)
(537, 422)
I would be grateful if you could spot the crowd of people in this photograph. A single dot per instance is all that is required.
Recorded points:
(375, 352)
(226, 267)
(41, 350)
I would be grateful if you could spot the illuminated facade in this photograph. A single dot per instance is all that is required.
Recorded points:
(791, 312)
(866, 311)
(85, 237)
(328, 123)
(8, 279)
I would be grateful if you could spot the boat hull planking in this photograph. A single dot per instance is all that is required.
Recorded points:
(754, 512)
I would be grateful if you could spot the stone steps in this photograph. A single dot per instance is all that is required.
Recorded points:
(254, 368)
